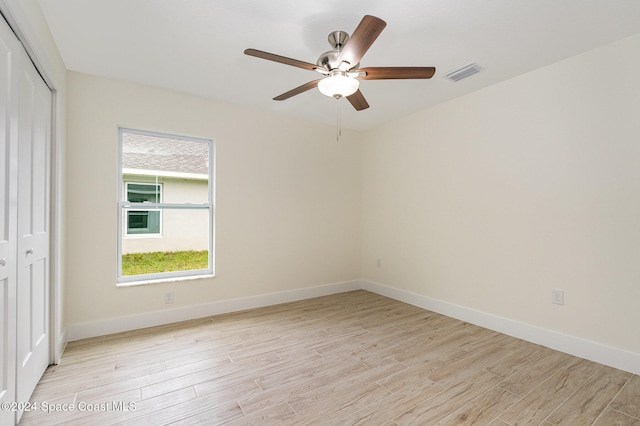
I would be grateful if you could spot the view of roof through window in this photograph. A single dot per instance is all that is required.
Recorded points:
(149, 152)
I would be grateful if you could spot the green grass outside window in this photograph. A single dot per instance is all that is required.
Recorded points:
(169, 261)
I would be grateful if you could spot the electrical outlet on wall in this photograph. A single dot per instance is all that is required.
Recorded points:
(557, 296)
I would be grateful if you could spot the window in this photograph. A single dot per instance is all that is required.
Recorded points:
(145, 222)
(166, 207)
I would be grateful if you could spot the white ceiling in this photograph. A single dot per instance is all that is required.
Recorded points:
(196, 46)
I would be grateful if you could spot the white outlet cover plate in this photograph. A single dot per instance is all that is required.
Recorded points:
(557, 296)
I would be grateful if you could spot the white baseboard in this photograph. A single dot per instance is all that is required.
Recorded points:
(150, 319)
(593, 351)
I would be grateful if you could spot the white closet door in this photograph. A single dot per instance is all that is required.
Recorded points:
(8, 221)
(34, 121)
(25, 140)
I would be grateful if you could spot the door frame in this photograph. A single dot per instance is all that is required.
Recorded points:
(57, 335)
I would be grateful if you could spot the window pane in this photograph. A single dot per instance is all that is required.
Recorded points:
(184, 245)
(167, 229)
(165, 169)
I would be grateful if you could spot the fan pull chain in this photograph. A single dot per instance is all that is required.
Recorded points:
(338, 123)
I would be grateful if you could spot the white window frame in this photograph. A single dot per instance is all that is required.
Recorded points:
(124, 205)
(126, 219)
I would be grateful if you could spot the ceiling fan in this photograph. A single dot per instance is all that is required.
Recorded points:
(340, 66)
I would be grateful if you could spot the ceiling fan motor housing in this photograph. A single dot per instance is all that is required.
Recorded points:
(329, 59)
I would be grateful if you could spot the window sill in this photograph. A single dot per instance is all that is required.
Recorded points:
(164, 280)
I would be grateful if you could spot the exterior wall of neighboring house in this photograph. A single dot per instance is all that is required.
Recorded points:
(179, 229)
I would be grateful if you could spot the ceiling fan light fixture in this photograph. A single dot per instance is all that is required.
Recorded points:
(338, 85)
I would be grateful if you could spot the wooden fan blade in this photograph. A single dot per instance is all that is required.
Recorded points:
(361, 40)
(358, 101)
(281, 59)
(300, 89)
(392, 73)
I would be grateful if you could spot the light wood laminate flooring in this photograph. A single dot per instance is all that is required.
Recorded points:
(344, 359)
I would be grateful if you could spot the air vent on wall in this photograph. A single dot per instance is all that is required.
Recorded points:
(463, 72)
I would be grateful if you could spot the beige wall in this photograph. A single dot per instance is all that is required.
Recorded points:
(287, 199)
(491, 200)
